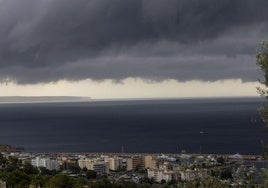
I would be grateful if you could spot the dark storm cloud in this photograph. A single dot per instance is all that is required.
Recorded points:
(47, 40)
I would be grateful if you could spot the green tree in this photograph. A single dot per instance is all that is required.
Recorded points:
(84, 169)
(74, 168)
(90, 174)
(213, 182)
(226, 174)
(105, 183)
(262, 62)
(147, 180)
(29, 169)
(13, 163)
(3, 160)
(39, 180)
(79, 182)
(163, 181)
(17, 179)
(61, 181)
(44, 171)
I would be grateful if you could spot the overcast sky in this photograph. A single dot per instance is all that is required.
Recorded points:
(131, 44)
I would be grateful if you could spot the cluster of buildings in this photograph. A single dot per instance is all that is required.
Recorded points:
(48, 163)
(159, 167)
(147, 164)
(165, 168)
(106, 164)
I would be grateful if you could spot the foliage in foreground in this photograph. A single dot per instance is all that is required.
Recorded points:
(262, 62)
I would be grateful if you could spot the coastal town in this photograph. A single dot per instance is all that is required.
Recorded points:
(136, 169)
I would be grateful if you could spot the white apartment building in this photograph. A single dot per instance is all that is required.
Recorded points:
(114, 163)
(86, 163)
(97, 165)
(46, 162)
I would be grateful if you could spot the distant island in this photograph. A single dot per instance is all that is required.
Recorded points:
(42, 99)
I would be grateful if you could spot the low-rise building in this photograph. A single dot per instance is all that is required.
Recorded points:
(159, 175)
(189, 175)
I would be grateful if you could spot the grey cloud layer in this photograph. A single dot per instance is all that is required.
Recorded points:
(47, 40)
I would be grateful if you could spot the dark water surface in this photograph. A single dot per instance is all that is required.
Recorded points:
(228, 126)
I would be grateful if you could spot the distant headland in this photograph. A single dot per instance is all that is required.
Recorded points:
(9, 148)
(42, 99)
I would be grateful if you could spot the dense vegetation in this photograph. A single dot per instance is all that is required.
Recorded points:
(262, 62)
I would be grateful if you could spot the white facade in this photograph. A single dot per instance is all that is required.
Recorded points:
(97, 165)
(159, 175)
(46, 162)
(86, 163)
(113, 163)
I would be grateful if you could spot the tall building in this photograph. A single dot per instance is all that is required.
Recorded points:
(114, 163)
(97, 165)
(150, 163)
(85, 163)
(135, 163)
(138, 163)
(46, 162)
(129, 164)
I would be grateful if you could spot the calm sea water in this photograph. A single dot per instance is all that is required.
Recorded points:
(214, 125)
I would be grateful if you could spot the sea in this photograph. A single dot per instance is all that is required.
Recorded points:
(218, 125)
